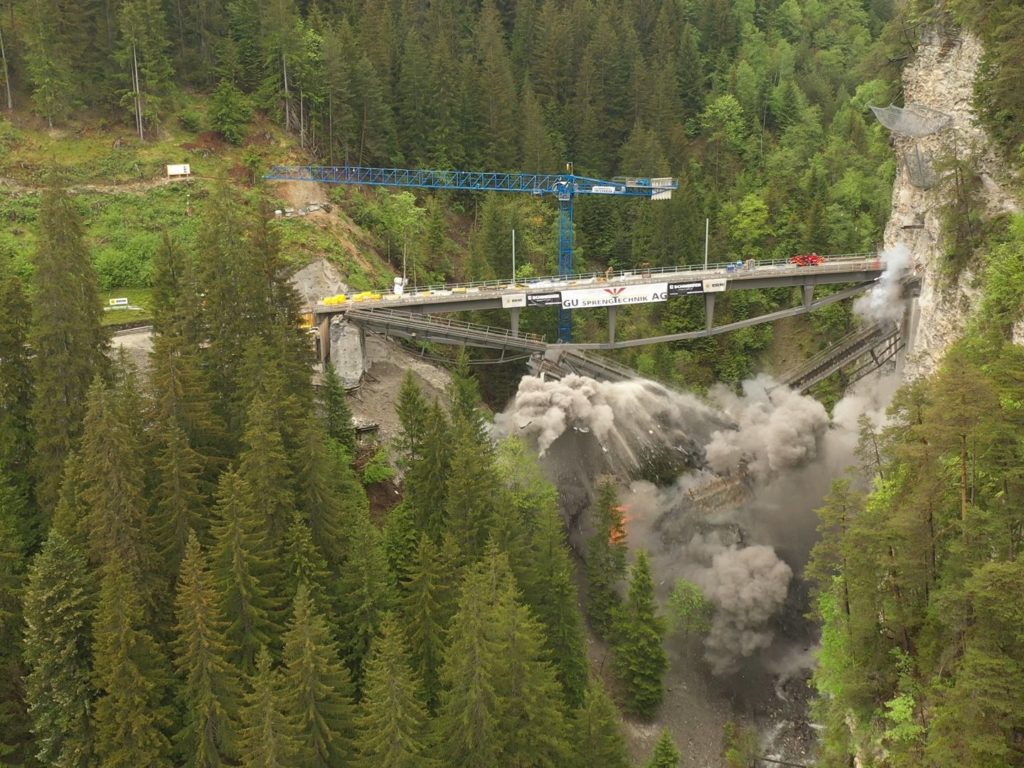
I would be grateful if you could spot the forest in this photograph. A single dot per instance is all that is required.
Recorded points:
(191, 572)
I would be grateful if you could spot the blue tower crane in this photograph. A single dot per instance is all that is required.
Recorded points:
(564, 186)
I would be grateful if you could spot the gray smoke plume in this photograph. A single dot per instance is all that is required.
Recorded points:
(747, 587)
(624, 417)
(742, 554)
(884, 302)
(776, 428)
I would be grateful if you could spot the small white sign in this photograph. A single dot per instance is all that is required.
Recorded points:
(603, 190)
(123, 302)
(512, 300)
(715, 285)
(181, 169)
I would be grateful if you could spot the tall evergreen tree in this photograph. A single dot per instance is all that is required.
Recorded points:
(15, 394)
(665, 753)
(319, 688)
(264, 468)
(59, 603)
(270, 729)
(427, 608)
(179, 503)
(606, 559)
(15, 738)
(129, 670)
(337, 414)
(392, 729)
(597, 732)
(208, 687)
(640, 659)
(428, 473)
(240, 563)
(66, 338)
(144, 53)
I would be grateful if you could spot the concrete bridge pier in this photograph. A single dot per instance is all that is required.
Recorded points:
(808, 296)
(709, 312)
(611, 324)
(346, 350)
(513, 313)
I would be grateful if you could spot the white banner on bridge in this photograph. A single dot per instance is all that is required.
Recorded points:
(512, 300)
(715, 285)
(611, 297)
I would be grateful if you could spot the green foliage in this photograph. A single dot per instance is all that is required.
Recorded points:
(739, 745)
(230, 112)
(597, 731)
(378, 469)
(689, 611)
(640, 659)
(606, 559)
(665, 753)
(270, 728)
(59, 605)
(336, 411)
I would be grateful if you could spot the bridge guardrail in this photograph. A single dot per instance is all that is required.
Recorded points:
(414, 319)
(430, 294)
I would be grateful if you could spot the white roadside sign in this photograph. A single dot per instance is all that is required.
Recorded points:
(512, 300)
(715, 285)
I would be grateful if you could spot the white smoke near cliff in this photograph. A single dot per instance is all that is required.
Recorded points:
(884, 302)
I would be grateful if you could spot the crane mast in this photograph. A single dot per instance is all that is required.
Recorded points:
(565, 187)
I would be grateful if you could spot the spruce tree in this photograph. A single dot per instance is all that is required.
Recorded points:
(367, 591)
(427, 607)
(392, 729)
(179, 503)
(240, 564)
(412, 414)
(15, 738)
(427, 476)
(306, 565)
(640, 658)
(130, 673)
(337, 414)
(264, 468)
(318, 687)
(112, 478)
(269, 737)
(597, 731)
(665, 753)
(208, 684)
(66, 339)
(605, 560)
(473, 491)
(15, 394)
(59, 604)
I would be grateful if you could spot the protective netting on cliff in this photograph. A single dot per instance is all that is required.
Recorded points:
(914, 120)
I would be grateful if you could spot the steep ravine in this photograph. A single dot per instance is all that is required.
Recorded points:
(941, 77)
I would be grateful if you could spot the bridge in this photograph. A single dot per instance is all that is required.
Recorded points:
(405, 313)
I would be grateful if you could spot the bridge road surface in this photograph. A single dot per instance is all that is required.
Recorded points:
(610, 290)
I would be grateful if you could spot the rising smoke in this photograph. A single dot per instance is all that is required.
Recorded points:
(742, 556)
(884, 302)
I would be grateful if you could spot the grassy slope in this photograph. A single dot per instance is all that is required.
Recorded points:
(127, 203)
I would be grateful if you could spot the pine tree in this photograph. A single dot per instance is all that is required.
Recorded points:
(59, 602)
(50, 61)
(130, 674)
(337, 414)
(66, 338)
(606, 560)
(306, 565)
(208, 690)
(427, 477)
(318, 687)
(412, 411)
(15, 738)
(367, 591)
(143, 52)
(113, 486)
(240, 564)
(15, 394)
(427, 608)
(179, 502)
(640, 659)
(270, 731)
(597, 732)
(264, 468)
(392, 729)
(665, 753)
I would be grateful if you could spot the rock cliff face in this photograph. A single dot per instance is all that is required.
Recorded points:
(940, 77)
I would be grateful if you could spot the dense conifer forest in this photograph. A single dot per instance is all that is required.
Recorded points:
(191, 573)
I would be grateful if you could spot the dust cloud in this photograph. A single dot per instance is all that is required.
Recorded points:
(884, 302)
(773, 450)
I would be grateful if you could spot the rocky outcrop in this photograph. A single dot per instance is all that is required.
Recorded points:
(940, 77)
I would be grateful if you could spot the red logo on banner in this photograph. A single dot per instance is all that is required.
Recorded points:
(614, 291)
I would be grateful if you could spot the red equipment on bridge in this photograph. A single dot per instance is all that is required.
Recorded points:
(807, 260)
